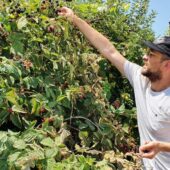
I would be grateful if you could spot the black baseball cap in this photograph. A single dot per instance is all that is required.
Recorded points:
(161, 44)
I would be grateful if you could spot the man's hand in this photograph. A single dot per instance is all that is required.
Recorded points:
(149, 149)
(67, 13)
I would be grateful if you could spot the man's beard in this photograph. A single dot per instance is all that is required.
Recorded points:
(152, 76)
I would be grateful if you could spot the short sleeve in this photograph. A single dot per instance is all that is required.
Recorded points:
(131, 70)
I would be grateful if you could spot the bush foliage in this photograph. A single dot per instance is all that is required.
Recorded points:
(62, 105)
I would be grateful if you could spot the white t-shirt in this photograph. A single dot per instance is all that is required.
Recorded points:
(153, 115)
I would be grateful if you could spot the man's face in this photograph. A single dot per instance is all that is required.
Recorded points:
(152, 65)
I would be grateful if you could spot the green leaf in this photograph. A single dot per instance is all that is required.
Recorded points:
(19, 144)
(52, 165)
(91, 126)
(10, 68)
(4, 165)
(48, 142)
(16, 120)
(105, 128)
(12, 79)
(126, 128)
(59, 140)
(3, 137)
(18, 109)
(12, 97)
(13, 157)
(3, 116)
(58, 121)
(83, 126)
(31, 82)
(22, 22)
(83, 134)
(106, 89)
(17, 46)
(60, 98)
(35, 105)
(66, 31)
(51, 152)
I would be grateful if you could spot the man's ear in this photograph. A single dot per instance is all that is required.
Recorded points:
(167, 65)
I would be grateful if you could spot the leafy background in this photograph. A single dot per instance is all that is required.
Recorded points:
(62, 105)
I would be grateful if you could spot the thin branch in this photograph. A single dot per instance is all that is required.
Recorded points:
(81, 117)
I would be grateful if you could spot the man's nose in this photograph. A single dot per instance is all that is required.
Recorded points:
(145, 57)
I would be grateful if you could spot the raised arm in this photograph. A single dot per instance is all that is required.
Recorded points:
(101, 43)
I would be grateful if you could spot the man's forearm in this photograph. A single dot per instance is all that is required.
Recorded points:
(164, 146)
(104, 46)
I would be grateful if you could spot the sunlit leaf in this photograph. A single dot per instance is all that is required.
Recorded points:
(22, 22)
(48, 142)
(19, 144)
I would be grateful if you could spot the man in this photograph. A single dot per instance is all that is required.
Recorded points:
(151, 85)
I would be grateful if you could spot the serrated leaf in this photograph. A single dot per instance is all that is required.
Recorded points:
(51, 152)
(22, 22)
(64, 134)
(13, 157)
(48, 142)
(19, 144)
(52, 165)
(126, 128)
